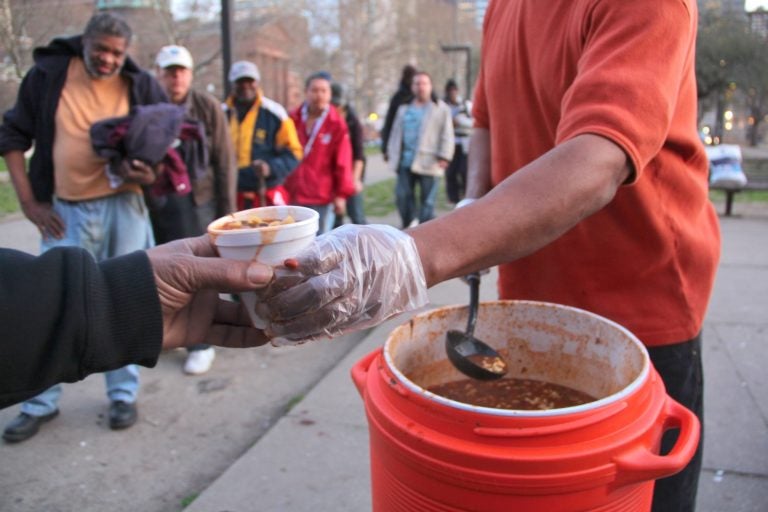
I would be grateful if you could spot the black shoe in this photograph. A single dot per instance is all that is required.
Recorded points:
(25, 426)
(122, 415)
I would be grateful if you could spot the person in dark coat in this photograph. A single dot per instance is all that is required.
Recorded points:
(402, 96)
(119, 311)
(355, 209)
(67, 194)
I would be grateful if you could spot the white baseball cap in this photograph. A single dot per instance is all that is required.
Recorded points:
(174, 56)
(244, 69)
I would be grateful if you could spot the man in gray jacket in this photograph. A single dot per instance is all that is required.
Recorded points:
(420, 147)
(213, 193)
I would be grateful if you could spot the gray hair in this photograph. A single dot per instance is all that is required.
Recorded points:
(108, 24)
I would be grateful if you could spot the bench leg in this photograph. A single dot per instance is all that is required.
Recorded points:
(729, 202)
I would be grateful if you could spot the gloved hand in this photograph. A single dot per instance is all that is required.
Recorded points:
(350, 278)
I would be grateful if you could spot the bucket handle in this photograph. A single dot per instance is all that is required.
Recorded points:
(640, 464)
(360, 370)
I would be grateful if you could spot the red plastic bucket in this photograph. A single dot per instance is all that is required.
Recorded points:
(429, 453)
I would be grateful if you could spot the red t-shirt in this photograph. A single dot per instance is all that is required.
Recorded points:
(623, 70)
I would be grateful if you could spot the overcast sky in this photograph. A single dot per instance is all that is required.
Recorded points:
(751, 5)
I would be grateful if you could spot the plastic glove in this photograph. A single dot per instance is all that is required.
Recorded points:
(350, 278)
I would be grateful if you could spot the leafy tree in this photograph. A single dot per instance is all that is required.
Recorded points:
(731, 66)
(752, 79)
(721, 51)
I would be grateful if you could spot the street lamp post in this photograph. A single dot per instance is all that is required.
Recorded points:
(226, 42)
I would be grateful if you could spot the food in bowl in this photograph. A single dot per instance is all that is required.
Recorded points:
(254, 221)
(517, 394)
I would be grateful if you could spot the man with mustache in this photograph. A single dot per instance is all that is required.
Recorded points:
(67, 194)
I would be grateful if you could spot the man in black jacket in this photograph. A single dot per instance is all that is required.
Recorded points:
(67, 194)
(403, 95)
(66, 316)
(355, 202)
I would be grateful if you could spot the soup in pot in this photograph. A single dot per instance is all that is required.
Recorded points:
(518, 394)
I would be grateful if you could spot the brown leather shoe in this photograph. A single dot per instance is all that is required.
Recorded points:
(24, 426)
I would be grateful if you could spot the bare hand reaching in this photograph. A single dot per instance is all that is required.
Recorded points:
(189, 276)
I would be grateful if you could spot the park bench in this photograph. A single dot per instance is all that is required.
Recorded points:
(728, 171)
(754, 182)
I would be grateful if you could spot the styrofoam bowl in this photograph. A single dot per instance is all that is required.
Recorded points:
(270, 245)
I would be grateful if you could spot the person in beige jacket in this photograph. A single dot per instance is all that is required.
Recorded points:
(420, 147)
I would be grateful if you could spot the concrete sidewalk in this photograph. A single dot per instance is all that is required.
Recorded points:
(316, 457)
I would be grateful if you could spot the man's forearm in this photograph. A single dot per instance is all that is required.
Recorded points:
(357, 169)
(16, 164)
(479, 164)
(528, 210)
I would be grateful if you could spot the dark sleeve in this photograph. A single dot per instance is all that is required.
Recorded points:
(282, 162)
(148, 90)
(222, 160)
(343, 181)
(18, 128)
(387, 128)
(355, 135)
(64, 317)
(281, 165)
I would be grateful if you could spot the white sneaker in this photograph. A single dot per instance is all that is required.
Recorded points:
(199, 361)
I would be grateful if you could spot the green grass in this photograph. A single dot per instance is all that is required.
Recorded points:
(748, 196)
(2, 165)
(293, 402)
(187, 501)
(8, 201)
(373, 149)
(379, 198)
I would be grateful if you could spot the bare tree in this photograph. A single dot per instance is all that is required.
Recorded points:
(27, 24)
(10, 39)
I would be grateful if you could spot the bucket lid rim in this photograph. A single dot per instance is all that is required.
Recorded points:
(628, 390)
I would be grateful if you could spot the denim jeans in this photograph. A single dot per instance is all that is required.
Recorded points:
(681, 370)
(354, 211)
(327, 216)
(405, 195)
(105, 227)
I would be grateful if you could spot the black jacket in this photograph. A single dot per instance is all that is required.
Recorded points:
(64, 317)
(33, 117)
(401, 97)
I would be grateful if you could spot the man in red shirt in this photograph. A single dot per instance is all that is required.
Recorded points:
(323, 179)
(590, 189)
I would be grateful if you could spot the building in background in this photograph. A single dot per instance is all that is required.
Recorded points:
(723, 6)
(271, 40)
(758, 21)
(363, 43)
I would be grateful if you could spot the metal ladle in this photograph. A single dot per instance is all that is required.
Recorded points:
(469, 355)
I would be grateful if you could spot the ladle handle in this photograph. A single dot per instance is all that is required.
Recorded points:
(474, 301)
